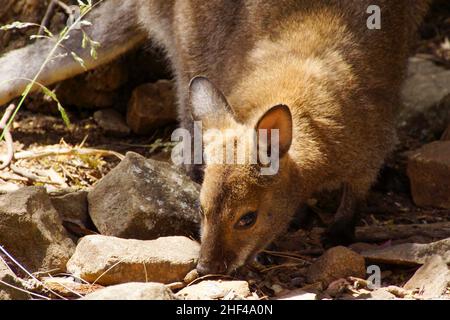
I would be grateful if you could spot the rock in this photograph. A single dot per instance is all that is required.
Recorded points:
(216, 290)
(109, 77)
(381, 294)
(32, 232)
(72, 207)
(409, 254)
(299, 294)
(151, 106)
(429, 173)
(145, 199)
(426, 85)
(86, 97)
(108, 260)
(359, 247)
(99, 88)
(337, 287)
(133, 291)
(7, 292)
(336, 263)
(112, 123)
(431, 279)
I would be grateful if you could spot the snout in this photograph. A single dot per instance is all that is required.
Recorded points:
(211, 267)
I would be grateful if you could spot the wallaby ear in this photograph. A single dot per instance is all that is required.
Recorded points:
(208, 103)
(278, 118)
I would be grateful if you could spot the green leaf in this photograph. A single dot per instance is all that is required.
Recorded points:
(85, 40)
(51, 94)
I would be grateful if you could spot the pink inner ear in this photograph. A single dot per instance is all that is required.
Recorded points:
(279, 117)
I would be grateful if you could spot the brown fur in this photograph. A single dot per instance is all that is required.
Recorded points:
(340, 81)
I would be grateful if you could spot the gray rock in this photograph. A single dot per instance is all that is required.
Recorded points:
(145, 199)
(216, 290)
(336, 263)
(112, 123)
(409, 253)
(431, 279)
(32, 232)
(427, 84)
(10, 290)
(72, 207)
(132, 291)
(429, 173)
(152, 106)
(108, 260)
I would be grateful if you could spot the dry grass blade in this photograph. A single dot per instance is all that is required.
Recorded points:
(289, 255)
(281, 266)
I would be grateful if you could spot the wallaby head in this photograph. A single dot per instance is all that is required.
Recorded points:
(243, 206)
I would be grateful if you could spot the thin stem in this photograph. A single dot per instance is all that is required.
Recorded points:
(28, 89)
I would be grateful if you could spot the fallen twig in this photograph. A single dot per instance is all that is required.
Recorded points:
(31, 176)
(66, 151)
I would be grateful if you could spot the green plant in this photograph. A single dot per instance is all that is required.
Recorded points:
(78, 22)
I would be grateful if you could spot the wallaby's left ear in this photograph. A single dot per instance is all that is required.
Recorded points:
(278, 118)
(208, 103)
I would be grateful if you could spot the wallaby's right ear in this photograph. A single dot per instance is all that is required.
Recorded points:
(208, 104)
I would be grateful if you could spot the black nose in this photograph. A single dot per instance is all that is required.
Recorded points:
(208, 268)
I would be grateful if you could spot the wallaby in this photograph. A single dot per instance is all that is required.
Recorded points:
(310, 69)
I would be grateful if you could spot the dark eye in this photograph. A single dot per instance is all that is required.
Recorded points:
(246, 221)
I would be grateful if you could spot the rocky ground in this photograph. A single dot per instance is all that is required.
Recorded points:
(95, 211)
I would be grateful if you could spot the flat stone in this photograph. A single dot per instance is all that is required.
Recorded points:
(429, 173)
(151, 106)
(334, 264)
(32, 232)
(132, 291)
(216, 290)
(112, 123)
(431, 279)
(145, 199)
(108, 260)
(409, 253)
(72, 207)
